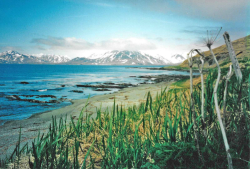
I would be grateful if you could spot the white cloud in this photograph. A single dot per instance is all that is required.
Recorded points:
(62, 43)
(75, 47)
(71, 43)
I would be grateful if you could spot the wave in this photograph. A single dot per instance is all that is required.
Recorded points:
(42, 90)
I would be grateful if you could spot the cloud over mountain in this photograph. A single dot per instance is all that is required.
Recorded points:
(71, 43)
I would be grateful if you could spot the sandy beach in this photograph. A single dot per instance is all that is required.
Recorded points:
(30, 127)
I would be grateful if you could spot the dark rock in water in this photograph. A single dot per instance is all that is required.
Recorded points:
(15, 97)
(109, 83)
(103, 89)
(39, 96)
(33, 101)
(132, 76)
(53, 101)
(76, 91)
(62, 99)
(51, 96)
(165, 78)
(116, 86)
(24, 82)
(144, 83)
(57, 89)
(62, 85)
(2, 84)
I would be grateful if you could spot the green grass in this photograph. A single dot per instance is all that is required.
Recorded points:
(156, 134)
(180, 83)
(177, 67)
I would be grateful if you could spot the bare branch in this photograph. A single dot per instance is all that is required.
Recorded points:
(229, 158)
(217, 34)
(232, 55)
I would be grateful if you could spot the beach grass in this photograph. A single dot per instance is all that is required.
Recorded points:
(156, 134)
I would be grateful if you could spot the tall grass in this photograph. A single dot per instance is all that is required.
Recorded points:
(156, 134)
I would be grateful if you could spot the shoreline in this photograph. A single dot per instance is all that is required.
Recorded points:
(145, 79)
(9, 132)
(169, 69)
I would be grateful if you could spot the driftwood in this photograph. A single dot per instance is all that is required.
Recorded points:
(232, 55)
(229, 158)
(196, 137)
(228, 76)
(200, 66)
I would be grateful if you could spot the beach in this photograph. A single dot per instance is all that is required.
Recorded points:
(9, 132)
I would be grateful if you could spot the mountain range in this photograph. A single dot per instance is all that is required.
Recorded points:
(114, 57)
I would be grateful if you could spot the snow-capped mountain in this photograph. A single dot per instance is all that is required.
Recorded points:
(177, 59)
(13, 57)
(114, 57)
(53, 59)
(98, 56)
(81, 61)
(165, 60)
(126, 57)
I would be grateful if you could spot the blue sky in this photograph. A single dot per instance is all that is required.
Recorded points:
(78, 28)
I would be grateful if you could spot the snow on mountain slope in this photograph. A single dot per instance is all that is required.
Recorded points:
(165, 60)
(127, 58)
(114, 57)
(13, 57)
(54, 59)
(177, 58)
(81, 61)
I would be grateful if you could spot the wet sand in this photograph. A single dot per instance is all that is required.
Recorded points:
(9, 132)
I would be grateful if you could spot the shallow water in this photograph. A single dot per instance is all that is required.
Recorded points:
(50, 80)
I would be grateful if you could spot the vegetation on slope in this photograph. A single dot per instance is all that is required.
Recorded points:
(242, 51)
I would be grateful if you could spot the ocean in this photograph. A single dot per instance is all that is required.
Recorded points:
(44, 83)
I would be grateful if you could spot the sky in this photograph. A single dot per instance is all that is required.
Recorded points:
(79, 28)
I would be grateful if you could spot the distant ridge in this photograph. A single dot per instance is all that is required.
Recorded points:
(13, 57)
(114, 57)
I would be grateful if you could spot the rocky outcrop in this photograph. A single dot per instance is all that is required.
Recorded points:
(165, 78)
(16, 97)
(24, 82)
(110, 85)
(76, 91)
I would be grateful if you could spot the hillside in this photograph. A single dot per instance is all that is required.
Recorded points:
(241, 48)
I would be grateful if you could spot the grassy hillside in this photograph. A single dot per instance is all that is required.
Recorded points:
(241, 48)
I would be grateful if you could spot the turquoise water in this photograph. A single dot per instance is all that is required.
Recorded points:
(58, 80)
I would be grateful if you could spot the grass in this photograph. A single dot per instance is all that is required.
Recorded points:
(177, 67)
(156, 134)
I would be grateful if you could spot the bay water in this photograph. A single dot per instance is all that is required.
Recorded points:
(32, 81)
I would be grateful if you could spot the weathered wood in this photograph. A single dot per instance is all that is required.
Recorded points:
(232, 55)
(200, 66)
(196, 137)
(217, 108)
(228, 76)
